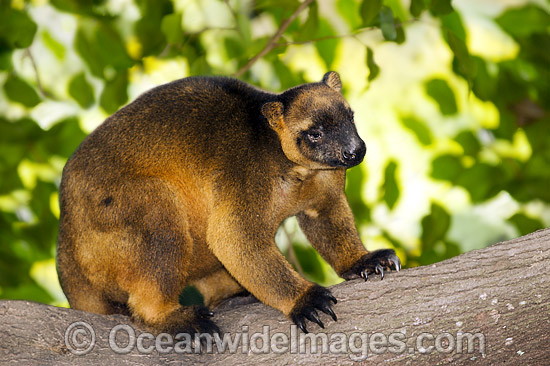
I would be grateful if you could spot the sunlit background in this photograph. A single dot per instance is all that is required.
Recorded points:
(452, 100)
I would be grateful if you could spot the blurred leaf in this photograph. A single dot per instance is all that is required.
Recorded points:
(171, 27)
(81, 91)
(440, 91)
(394, 242)
(12, 150)
(399, 11)
(115, 93)
(326, 48)
(453, 23)
(446, 167)
(191, 296)
(434, 226)
(481, 180)
(521, 22)
(349, 11)
(86, 7)
(422, 133)
(310, 261)
(286, 77)
(391, 189)
(63, 137)
(27, 291)
(279, 5)
(200, 66)
(387, 24)
(374, 70)
(525, 224)
(17, 29)
(14, 267)
(111, 47)
(41, 233)
(101, 48)
(400, 32)
(309, 29)
(441, 7)
(417, 7)
(529, 189)
(469, 142)
(20, 132)
(355, 179)
(464, 64)
(537, 134)
(18, 90)
(148, 28)
(369, 10)
(5, 59)
(88, 52)
(234, 47)
(244, 28)
(57, 48)
(314, 28)
(484, 85)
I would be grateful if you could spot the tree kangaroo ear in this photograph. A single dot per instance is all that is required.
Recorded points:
(332, 79)
(273, 112)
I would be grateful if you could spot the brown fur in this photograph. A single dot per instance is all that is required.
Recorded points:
(188, 184)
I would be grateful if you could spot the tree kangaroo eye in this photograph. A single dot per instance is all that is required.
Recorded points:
(314, 136)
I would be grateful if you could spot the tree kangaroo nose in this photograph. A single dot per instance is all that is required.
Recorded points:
(355, 151)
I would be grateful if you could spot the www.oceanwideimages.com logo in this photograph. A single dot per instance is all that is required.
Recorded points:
(80, 339)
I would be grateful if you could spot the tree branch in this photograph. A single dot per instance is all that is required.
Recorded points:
(37, 74)
(499, 294)
(272, 43)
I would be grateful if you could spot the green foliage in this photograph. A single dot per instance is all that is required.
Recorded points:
(390, 189)
(110, 51)
(419, 129)
(441, 7)
(20, 91)
(526, 224)
(417, 7)
(81, 91)
(440, 91)
(310, 262)
(147, 27)
(57, 48)
(115, 92)
(17, 29)
(171, 27)
(434, 243)
(369, 10)
(355, 179)
(374, 69)
(434, 227)
(102, 48)
(387, 24)
(524, 21)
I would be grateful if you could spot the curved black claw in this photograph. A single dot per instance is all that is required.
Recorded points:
(313, 316)
(373, 263)
(396, 263)
(205, 312)
(316, 298)
(328, 310)
(203, 324)
(302, 324)
(379, 270)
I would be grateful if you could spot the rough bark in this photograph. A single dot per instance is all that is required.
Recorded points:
(501, 292)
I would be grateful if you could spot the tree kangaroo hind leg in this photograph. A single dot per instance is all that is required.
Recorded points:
(217, 287)
(162, 251)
